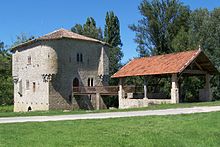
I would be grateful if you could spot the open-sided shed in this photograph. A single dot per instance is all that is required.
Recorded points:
(179, 64)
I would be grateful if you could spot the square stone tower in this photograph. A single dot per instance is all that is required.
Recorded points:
(46, 69)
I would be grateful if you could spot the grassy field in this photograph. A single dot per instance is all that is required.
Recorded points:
(7, 111)
(192, 130)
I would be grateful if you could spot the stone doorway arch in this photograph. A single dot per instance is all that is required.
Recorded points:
(75, 82)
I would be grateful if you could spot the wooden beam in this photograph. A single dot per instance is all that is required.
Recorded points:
(194, 72)
(198, 66)
(204, 64)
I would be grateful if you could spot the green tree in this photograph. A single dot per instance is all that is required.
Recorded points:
(78, 28)
(88, 29)
(203, 31)
(161, 22)
(112, 37)
(112, 30)
(159, 32)
(6, 85)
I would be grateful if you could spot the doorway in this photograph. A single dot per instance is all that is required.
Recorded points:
(75, 82)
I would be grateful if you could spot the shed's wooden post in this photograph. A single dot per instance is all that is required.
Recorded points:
(145, 87)
(174, 90)
(208, 87)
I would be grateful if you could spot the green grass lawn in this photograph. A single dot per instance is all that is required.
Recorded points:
(191, 130)
(7, 111)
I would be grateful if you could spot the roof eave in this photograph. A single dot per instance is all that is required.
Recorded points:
(13, 49)
(156, 74)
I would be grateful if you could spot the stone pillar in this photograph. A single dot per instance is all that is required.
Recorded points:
(174, 90)
(145, 88)
(120, 93)
(98, 101)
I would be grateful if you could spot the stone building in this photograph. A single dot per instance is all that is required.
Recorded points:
(46, 69)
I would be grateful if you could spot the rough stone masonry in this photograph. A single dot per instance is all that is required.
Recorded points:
(46, 69)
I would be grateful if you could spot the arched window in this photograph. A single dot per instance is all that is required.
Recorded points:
(92, 82)
(75, 82)
(88, 81)
(81, 57)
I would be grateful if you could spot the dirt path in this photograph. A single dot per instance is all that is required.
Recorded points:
(110, 114)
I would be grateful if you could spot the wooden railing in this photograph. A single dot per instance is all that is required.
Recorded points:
(133, 89)
(105, 90)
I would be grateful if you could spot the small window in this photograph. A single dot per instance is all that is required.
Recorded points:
(81, 58)
(70, 59)
(92, 82)
(77, 57)
(88, 81)
(34, 86)
(29, 60)
(27, 84)
(20, 88)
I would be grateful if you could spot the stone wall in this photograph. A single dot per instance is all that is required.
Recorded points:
(132, 103)
(51, 72)
(94, 65)
(159, 101)
(30, 90)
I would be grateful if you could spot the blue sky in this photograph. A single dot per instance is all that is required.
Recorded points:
(38, 17)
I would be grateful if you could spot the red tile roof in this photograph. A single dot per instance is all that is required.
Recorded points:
(158, 65)
(59, 34)
(63, 33)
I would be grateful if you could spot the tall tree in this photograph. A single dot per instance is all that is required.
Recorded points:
(88, 29)
(203, 31)
(112, 37)
(161, 22)
(6, 85)
(112, 30)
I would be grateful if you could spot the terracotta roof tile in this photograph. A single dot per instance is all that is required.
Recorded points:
(156, 65)
(58, 34)
(63, 33)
